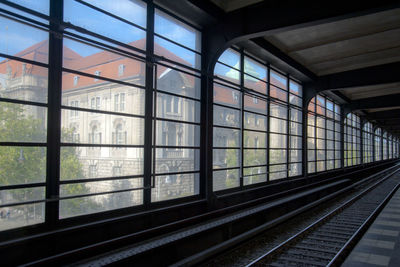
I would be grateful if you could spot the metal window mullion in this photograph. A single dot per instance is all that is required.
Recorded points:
(148, 123)
(54, 116)
(288, 127)
(241, 171)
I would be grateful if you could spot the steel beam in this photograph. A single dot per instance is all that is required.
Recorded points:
(375, 102)
(382, 74)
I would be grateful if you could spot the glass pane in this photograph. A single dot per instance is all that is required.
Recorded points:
(131, 10)
(295, 142)
(225, 179)
(295, 128)
(99, 162)
(311, 143)
(295, 88)
(227, 73)
(254, 157)
(277, 156)
(173, 81)
(175, 186)
(22, 165)
(226, 96)
(255, 122)
(19, 80)
(254, 84)
(295, 156)
(22, 123)
(98, 22)
(22, 215)
(255, 69)
(278, 126)
(230, 57)
(278, 80)
(39, 6)
(225, 158)
(295, 100)
(295, 169)
(21, 40)
(226, 116)
(277, 141)
(277, 172)
(177, 134)
(254, 139)
(321, 154)
(311, 167)
(177, 108)
(310, 155)
(278, 93)
(278, 111)
(177, 31)
(177, 160)
(225, 137)
(295, 115)
(254, 179)
(255, 104)
(92, 204)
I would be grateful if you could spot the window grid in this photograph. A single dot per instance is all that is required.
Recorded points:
(378, 144)
(323, 134)
(368, 142)
(352, 140)
(241, 122)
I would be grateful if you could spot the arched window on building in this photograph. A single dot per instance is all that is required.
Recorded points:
(323, 134)
(246, 150)
(119, 136)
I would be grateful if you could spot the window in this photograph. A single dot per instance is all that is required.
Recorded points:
(93, 170)
(95, 136)
(352, 140)
(119, 136)
(368, 143)
(119, 102)
(97, 73)
(378, 144)
(74, 113)
(247, 150)
(323, 135)
(76, 79)
(95, 102)
(121, 69)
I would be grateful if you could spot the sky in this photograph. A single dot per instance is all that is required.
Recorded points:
(15, 37)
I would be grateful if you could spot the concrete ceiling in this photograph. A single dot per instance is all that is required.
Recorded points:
(343, 45)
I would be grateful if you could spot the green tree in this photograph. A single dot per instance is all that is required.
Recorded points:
(27, 164)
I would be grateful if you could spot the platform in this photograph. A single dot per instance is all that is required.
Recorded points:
(380, 246)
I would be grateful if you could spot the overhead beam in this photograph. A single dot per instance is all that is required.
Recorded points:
(386, 101)
(382, 74)
(385, 115)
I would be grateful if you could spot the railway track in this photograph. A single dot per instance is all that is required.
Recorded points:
(327, 241)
